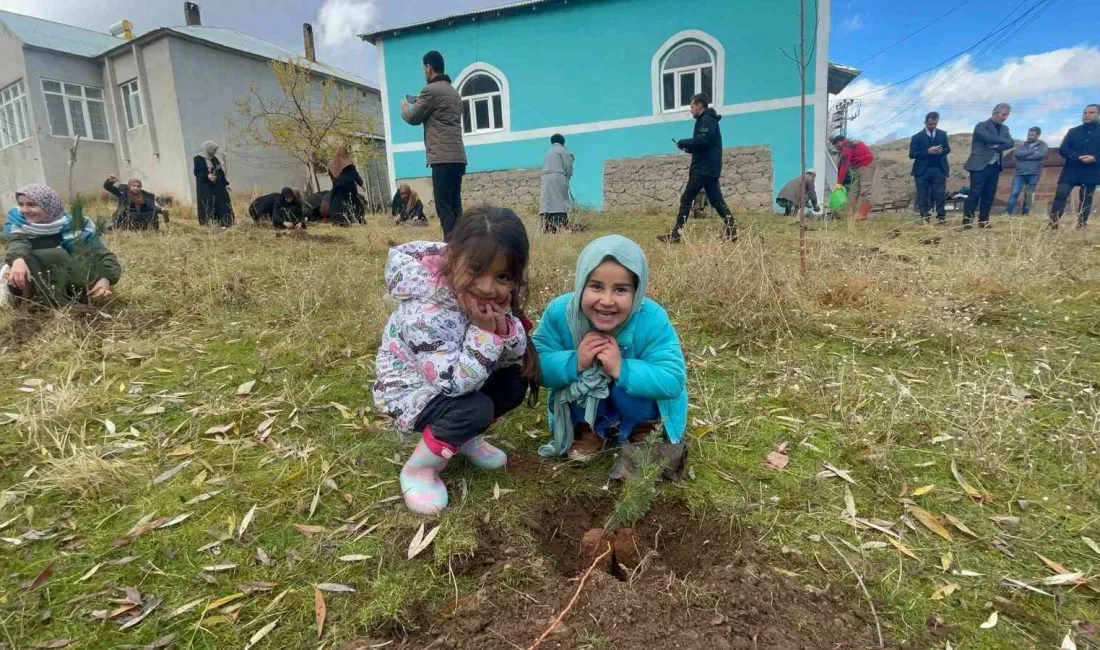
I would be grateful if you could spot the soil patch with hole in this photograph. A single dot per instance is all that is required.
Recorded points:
(694, 583)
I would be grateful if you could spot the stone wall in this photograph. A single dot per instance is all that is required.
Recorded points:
(515, 188)
(654, 183)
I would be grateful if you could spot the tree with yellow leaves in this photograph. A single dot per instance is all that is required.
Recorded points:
(306, 119)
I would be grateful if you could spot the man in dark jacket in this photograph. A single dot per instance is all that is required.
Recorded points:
(439, 109)
(991, 140)
(1029, 157)
(137, 209)
(929, 149)
(1080, 148)
(705, 147)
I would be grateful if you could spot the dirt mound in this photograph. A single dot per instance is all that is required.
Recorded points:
(700, 583)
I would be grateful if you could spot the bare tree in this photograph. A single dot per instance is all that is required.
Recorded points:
(803, 63)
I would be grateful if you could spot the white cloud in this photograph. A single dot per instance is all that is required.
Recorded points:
(342, 21)
(1047, 89)
(852, 23)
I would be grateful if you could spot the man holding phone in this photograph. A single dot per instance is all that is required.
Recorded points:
(439, 109)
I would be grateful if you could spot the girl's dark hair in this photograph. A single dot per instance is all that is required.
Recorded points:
(480, 234)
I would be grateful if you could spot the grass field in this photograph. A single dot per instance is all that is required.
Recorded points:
(186, 465)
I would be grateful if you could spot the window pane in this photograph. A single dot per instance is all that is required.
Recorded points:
(51, 86)
(5, 96)
(139, 117)
(481, 110)
(126, 106)
(687, 88)
(74, 90)
(498, 113)
(686, 56)
(7, 127)
(708, 82)
(478, 84)
(669, 93)
(76, 111)
(93, 93)
(21, 128)
(97, 112)
(466, 116)
(55, 107)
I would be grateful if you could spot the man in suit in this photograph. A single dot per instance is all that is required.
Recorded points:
(1081, 149)
(929, 149)
(991, 140)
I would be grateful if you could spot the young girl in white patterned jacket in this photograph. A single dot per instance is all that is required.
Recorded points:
(455, 354)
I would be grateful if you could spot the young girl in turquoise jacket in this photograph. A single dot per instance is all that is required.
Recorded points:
(610, 356)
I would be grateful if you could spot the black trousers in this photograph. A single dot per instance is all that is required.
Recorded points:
(983, 189)
(447, 190)
(710, 185)
(1061, 195)
(931, 193)
(555, 221)
(459, 418)
(788, 206)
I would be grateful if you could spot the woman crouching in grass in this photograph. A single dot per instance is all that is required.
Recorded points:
(50, 259)
(610, 356)
(455, 354)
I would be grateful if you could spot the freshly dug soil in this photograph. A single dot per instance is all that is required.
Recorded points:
(706, 586)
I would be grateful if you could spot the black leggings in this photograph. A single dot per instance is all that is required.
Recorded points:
(458, 418)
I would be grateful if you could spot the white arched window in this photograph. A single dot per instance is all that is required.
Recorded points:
(484, 92)
(690, 62)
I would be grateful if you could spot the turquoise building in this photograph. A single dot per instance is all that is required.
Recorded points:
(614, 77)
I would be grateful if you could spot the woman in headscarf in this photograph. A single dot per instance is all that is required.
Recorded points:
(345, 205)
(50, 258)
(212, 188)
(407, 207)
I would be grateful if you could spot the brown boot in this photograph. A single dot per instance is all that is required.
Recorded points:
(586, 443)
(641, 432)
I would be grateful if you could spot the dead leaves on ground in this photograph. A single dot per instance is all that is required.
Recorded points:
(420, 541)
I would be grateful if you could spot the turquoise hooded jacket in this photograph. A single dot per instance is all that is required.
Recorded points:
(653, 362)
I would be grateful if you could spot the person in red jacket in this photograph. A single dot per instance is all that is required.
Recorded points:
(856, 157)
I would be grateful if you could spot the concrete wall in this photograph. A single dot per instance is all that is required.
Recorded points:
(574, 69)
(208, 84)
(95, 160)
(19, 164)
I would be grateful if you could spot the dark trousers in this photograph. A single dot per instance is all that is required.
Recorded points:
(447, 190)
(788, 206)
(1061, 195)
(931, 192)
(555, 221)
(708, 184)
(457, 419)
(983, 189)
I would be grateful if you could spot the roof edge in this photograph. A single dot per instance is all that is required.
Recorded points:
(499, 10)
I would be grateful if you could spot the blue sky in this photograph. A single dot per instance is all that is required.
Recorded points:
(1048, 70)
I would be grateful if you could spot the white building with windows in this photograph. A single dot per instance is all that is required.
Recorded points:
(78, 105)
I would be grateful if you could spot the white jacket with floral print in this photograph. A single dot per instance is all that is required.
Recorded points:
(430, 347)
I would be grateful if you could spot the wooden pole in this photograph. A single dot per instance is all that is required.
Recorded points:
(802, 140)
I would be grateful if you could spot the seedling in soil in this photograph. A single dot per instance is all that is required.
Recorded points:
(633, 503)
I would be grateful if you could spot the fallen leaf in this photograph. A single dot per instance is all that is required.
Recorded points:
(904, 490)
(172, 472)
(161, 642)
(320, 610)
(261, 633)
(921, 491)
(153, 410)
(976, 495)
(110, 426)
(849, 504)
(946, 561)
(42, 577)
(354, 558)
(1091, 544)
(309, 529)
(313, 504)
(420, 541)
(335, 587)
(870, 546)
(221, 428)
(262, 557)
(183, 609)
(220, 567)
(1068, 643)
(1062, 579)
(56, 643)
(903, 548)
(247, 520)
(253, 587)
(969, 574)
(776, 461)
(1011, 524)
(951, 519)
(178, 519)
(246, 387)
(149, 607)
(929, 521)
(990, 622)
(1054, 566)
(840, 472)
(945, 591)
(225, 600)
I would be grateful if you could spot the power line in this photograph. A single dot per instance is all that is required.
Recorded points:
(915, 32)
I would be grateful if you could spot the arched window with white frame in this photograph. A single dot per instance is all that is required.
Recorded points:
(688, 63)
(484, 92)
